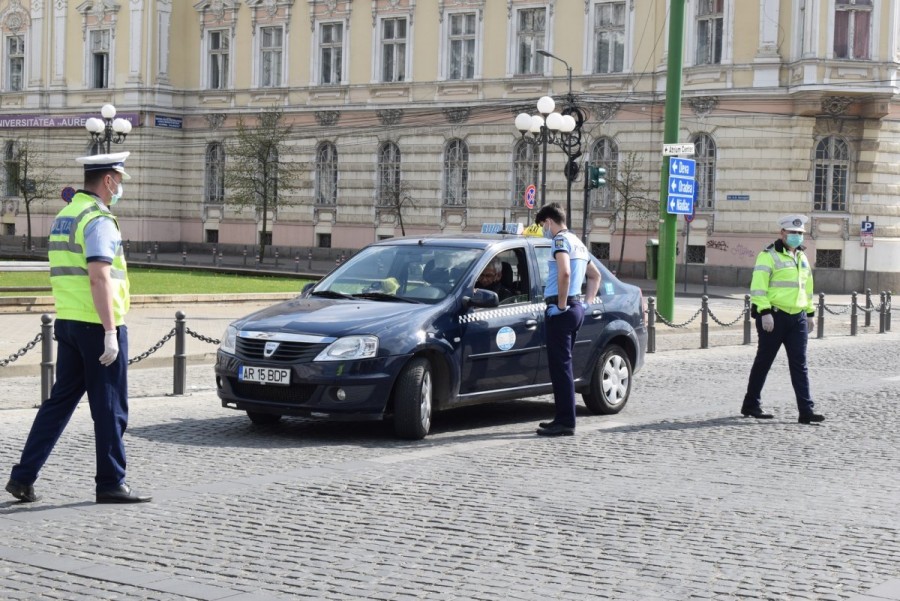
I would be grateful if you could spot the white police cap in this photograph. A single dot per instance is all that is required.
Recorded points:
(104, 162)
(793, 223)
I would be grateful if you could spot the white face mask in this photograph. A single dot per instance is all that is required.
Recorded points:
(115, 195)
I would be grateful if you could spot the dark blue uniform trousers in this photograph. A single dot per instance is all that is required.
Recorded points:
(561, 331)
(790, 331)
(78, 370)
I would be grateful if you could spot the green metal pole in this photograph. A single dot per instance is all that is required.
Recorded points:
(665, 276)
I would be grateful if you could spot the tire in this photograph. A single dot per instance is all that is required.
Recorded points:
(610, 383)
(263, 419)
(413, 396)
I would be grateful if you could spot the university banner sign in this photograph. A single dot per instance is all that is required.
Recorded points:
(48, 121)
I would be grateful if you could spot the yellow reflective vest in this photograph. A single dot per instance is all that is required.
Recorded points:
(782, 281)
(68, 264)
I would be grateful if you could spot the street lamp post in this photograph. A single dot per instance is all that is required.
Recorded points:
(560, 129)
(109, 129)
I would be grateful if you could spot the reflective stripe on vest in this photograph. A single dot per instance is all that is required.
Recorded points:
(68, 264)
(782, 281)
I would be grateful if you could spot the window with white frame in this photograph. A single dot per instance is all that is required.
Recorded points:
(99, 58)
(832, 174)
(531, 36)
(525, 168)
(605, 153)
(271, 50)
(710, 25)
(393, 49)
(219, 48)
(389, 174)
(215, 174)
(326, 174)
(331, 53)
(456, 173)
(11, 165)
(15, 63)
(852, 25)
(609, 37)
(705, 157)
(461, 40)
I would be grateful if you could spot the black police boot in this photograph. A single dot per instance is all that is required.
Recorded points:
(757, 413)
(811, 418)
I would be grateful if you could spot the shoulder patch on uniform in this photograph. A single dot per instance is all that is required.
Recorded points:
(559, 244)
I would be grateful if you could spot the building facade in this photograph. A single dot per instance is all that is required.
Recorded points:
(790, 104)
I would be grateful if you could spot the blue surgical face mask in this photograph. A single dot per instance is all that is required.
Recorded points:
(794, 240)
(116, 195)
(547, 233)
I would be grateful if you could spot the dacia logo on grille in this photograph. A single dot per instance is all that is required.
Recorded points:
(270, 349)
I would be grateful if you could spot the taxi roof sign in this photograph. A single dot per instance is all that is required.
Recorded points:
(497, 228)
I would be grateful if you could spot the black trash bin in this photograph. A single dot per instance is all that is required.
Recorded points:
(652, 258)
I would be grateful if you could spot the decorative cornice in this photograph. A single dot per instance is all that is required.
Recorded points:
(393, 6)
(453, 4)
(836, 105)
(327, 117)
(604, 111)
(15, 18)
(703, 105)
(457, 115)
(390, 116)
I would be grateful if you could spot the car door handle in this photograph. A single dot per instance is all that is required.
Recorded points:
(530, 324)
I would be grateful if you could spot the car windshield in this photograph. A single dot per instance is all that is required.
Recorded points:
(401, 273)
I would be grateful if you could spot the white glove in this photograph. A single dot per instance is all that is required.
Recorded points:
(768, 322)
(110, 348)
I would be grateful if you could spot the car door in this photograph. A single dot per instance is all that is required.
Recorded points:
(591, 329)
(501, 346)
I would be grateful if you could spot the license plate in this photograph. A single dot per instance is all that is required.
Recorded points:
(264, 375)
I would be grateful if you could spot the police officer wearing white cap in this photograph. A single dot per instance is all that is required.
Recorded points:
(781, 294)
(90, 289)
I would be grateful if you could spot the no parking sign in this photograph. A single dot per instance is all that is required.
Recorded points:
(530, 193)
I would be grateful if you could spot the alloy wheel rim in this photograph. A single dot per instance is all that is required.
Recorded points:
(615, 380)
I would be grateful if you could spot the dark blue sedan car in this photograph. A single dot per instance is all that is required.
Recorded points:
(401, 330)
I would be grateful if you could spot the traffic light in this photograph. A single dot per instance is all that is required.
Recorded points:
(597, 175)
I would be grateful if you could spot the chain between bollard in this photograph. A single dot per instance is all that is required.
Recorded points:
(201, 337)
(21, 352)
(153, 348)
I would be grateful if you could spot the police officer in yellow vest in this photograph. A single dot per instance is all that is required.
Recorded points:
(781, 294)
(90, 289)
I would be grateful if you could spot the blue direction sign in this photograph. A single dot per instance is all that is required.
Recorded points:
(681, 186)
(682, 167)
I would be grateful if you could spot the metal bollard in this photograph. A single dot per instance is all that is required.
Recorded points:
(276, 257)
(887, 314)
(297, 264)
(747, 330)
(180, 359)
(820, 323)
(881, 313)
(24, 243)
(156, 251)
(868, 321)
(704, 321)
(651, 324)
(245, 256)
(853, 316)
(705, 281)
(309, 259)
(214, 250)
(127, 249)
(149, 255)
(47, 366)
(257, 260)
(184, 257)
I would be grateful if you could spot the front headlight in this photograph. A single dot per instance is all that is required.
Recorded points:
(229, 339)
(350, 347)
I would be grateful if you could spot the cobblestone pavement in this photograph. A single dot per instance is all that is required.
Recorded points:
(675, 498)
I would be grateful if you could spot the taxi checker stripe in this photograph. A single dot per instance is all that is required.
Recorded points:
(501, 312)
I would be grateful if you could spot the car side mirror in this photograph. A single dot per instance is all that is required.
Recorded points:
(305, 291)
(482, 299)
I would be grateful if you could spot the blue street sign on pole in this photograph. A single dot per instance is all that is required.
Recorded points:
(867, 227)
(681, 186)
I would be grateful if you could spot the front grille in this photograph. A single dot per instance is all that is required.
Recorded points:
(289, 395)
(287, 351)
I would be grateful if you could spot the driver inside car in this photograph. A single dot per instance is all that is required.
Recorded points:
(490, 279)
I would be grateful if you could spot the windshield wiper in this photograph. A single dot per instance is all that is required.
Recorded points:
(383, 296)
(329, 294)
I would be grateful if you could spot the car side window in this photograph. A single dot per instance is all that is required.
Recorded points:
(543, 263)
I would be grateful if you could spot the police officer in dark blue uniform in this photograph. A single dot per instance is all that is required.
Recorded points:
(90, 290)
(570, 266)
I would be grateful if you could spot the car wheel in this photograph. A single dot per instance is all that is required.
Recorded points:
(610, 383)
(263, 419)
(413, 400)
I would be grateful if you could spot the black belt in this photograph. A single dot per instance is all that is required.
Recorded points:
(553, 300)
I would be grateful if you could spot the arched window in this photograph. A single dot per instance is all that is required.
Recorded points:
(705, 156)
(525, 170)
(11, 164)
(326, 174)
(388, 174)
(456, 173)
(832, 175)
(605, 153)
(214, 192)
